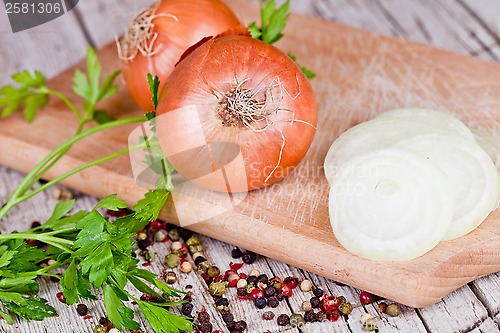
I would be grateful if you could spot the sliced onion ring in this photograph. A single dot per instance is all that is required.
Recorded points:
(469, 170)
(390, 205)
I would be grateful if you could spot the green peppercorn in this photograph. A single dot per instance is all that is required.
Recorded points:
(174, 235)
(297, 320)
(217, 289)
(342, 300)
(345, 308)
(150, 256)
(250, 287)
(192, 241)
(203, 267)
(370, 325)
(393, 310)
(172, 260)
(213, 271)
(100, 329)
(194, 248)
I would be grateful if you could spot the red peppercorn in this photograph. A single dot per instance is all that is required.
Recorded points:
(330, 303)
(61, 298)
(156, 225)
(366, 298)
(256, 293)
(285, 290)
(291, 282)
(243, 276)
(219, 278)
(233, 283)
(334, 315)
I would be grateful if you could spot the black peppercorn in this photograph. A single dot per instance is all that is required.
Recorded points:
(318, 292)
(263, 278)
(269, 292)
(199, 260)
(133, 254)
(315, 301)
(35, 224)
(310, 316)
(104, 321)
(283, 320)
(142, 244)
(227, 317)
(230, 325)
(205, 327)
(222, 301)
(236, 253)
(280, 297)
(268, 315)
(249, 257)
(252, 279)
(240, 326)
(242, 292)
(321, 316)
(82, 309)
(260, 303)
(273, 302)
(184, 233)
(203, 317)
(188, 297)
(186, 309)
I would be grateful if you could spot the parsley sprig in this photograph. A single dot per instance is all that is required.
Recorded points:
(273, 22)
(95, 252)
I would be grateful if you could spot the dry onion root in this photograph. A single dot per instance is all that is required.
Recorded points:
(236, 114)
(396, 159)
(157, 36)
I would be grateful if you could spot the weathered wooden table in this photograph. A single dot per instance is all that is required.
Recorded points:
(468, 27)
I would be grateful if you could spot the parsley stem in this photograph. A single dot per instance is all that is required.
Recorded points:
(13, 199)
(54, 241)
(66, 101)
(74, 171)
(51, 163)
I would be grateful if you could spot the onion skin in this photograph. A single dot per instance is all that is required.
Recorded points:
(208, 73)
(196, 19)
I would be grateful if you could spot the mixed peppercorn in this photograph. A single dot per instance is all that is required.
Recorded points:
(262, 290)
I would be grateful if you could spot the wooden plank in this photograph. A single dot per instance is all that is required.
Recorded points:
(458, 312)
(439, 24)
(400, 74)
(51, 47)
(104, 20)
(487, 290)
(487, 326)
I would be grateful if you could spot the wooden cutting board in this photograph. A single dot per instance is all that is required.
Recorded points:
(360, 74)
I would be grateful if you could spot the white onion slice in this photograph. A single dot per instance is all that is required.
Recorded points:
(491, 145)
(469, 170)
(371, 135)
(390, 205)
(444, 123)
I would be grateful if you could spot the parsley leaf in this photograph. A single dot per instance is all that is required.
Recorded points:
(160, 319)
(148, 208)
(273, 21)
(119, 314)
(154, 84)
(101, 117)
(33, 308)
(111, 202)
(30, 92)
(87, 85)
(308, 73)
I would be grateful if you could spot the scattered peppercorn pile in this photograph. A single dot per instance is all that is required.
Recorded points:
(260, 289)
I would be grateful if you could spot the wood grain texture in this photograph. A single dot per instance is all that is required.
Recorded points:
(360, 75)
